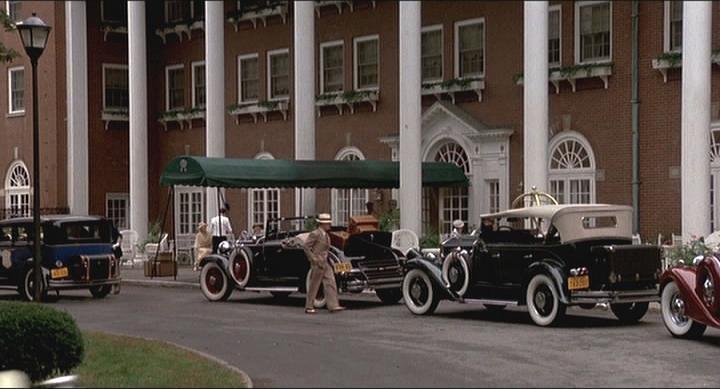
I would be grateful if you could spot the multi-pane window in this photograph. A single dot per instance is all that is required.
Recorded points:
(115, 84)
(278, 74)
(17, 191)
(673, 26)
(594, 33)
(493, 191)
(348, 202)
(248, 78)
(554, 35)
(176, 10)
(198, 81)
(367, 58)
(572, 173)
(13, 9)
(189, 209)
(432, 50)
(453, 201)
(332, 67)
(470, 48)
(16, 90)
(117, 209)
(114, 11)
(265, 205)
(175, 81)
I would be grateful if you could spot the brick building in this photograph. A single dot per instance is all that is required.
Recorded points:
(472, 94)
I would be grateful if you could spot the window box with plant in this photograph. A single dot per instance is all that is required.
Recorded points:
(454, 86)
(576, 72)
(254, 11)
(349, 99)
(338, 4)
(179, 28)
(114, 114)
(259, 108)
(181, 117)
(112, 28)
(673, 59)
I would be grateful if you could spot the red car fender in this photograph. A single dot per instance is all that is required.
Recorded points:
(685, 278)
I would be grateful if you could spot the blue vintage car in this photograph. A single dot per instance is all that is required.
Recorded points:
(79, 252)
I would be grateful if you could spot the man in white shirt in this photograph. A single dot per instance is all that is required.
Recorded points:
(216, 222)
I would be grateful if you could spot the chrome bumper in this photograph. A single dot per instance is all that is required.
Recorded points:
(613, 297)
(71, 284)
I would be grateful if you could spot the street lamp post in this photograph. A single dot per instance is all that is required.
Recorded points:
(34, 35)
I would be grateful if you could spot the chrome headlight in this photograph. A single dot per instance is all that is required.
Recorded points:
(612, 277)
(58, 263)
(225, 247)
(709, 291)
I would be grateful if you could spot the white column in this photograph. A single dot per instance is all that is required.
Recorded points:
(137, 67)
(695, 118)
(535, 95)
(77, 107)
(410, 200)
(215, 91)
(304, 92)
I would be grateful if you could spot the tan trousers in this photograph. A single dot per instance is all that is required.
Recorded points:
(322, 274)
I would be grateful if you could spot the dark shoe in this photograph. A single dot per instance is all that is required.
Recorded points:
(310, 310)
(337, 309)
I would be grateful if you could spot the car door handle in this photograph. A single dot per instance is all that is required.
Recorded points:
(528, 256)
(495, 255)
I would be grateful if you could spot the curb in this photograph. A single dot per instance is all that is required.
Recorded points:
(215, 359)
(161, 283)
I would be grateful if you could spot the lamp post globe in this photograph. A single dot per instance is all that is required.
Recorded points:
(34, 36)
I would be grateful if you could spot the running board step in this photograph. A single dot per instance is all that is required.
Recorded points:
(272, 289)
(504, 303)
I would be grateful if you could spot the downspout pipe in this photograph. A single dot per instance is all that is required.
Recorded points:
(635, 102)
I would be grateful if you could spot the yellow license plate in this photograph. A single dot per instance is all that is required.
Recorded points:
(59, 273)
(343, 267)
(580, 282)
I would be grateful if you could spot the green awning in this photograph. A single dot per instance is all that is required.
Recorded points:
(276, 173)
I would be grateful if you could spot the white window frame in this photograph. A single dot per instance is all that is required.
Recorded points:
(457, 45)
(240, 58)
(182, 2)
(251, 200)
(119, 196)
(10, 72)
(271, 53)
(190, 190)
(666, 28)
(490, 184)
(568, 175)
(557, 7)
(169, 68)
(13, 18)
(20, 191)
(104, 81)
(578, 5)
(194, 65)
(357, 40)
(431, 28)
(342, 155)
(323, 46)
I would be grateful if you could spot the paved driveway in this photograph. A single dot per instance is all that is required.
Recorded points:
(375, 345)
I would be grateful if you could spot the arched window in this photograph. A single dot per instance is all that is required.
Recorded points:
(453, 201)
(571, 169)
(17, 190)
(348, 202)
(263, 203)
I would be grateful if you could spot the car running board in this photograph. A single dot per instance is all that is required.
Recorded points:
(505, 303)
(272, 289)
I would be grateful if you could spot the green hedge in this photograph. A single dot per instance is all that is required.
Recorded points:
(41, 341)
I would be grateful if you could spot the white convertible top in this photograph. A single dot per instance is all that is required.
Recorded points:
(570, 219)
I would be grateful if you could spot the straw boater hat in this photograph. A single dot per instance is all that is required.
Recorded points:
(324, 218)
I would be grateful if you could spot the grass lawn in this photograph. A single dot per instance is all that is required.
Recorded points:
(120, 361)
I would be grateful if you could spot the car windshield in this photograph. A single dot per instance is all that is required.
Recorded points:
(285, 227)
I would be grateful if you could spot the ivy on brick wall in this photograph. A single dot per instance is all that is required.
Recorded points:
(6, 55)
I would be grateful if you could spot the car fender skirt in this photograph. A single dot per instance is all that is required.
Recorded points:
(554, 271)
(694, 307)
(435, 273)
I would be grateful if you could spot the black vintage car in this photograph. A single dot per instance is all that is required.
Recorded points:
(276, 263)
(546, 257)
(78, 252)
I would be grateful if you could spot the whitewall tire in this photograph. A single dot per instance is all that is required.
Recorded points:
(240, 268)
(27, 287)
(214, 282)
(543, 301)
(672, 305)
(419, 293)
(456, 273)
(320, 300)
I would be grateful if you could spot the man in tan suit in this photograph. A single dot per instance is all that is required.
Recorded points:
(316, 248)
